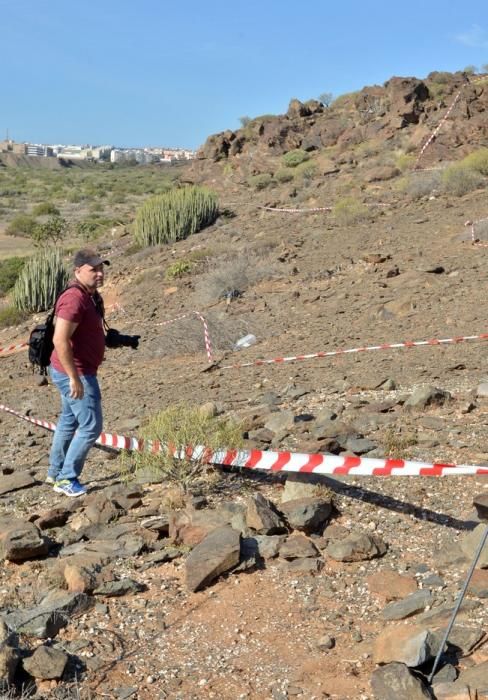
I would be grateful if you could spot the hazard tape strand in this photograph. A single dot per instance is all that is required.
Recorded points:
(275, 461)
(383, 346)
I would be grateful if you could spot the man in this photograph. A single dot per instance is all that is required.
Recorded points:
(79, 346)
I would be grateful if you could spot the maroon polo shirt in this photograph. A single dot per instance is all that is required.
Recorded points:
(88, 340)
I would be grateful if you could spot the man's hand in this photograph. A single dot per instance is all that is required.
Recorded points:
(76, 390)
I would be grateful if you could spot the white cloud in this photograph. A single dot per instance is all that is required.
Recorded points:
(475, 37)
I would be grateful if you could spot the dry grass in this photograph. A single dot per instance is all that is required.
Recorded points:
(181, 426)
(232, 277)
(186, 337)
(396, 443)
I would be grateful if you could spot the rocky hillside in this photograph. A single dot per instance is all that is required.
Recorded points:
(254, 585)
(400, 114)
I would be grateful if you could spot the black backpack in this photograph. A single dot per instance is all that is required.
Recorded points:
(41, 345)
(41, 337)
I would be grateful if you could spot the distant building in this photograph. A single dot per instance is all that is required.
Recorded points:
(35, 149)
(19, 149)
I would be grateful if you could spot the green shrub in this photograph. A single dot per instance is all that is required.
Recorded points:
(45, 209)
(51, 231)
(418, 185)
(404, 161)
(177, 427)
(458, 180)
(9, 271)
(178, 269)
(305, 171)
(10, 316)
(284, 175)
(40, 281)
(478, 161)
(261, 181)
(74, 197)
(348, 211)
(175, 215)
(21, 225)
(91, 229)
(294, 158)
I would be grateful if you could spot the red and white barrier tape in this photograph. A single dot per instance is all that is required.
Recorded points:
(282, 461)
(438, 127)
(473, 224)
(11, 348)
(296, 211)
(383, 346)
(206, 334)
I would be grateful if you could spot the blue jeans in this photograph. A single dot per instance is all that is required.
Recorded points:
(79, 425)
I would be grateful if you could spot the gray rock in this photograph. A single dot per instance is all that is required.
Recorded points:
(412, 604)
(434, 581)
(451, 555)
(166, 554)
(471, 542)
(46, 663)
(20, 540)
(326, 642)
(440, 614)
(158, 523)
(447, 674)
(126, 692)
(302, 486)
(296, 392)
(268, 546)
(46, 619)
(356, 547)
(482, 390)
(262, 516)
(396, 681)
(463, 639)
(298, 546)
(330, 429)
(422, 397)
(307, 514)
(480, 502)
(409, 645)
(302, 566)
(325, 415)
(217, 553)
(235, 515)
(56, 517)
(15, 482)
(359, 445)
(280, 421)
(476, 677)
(112, 589)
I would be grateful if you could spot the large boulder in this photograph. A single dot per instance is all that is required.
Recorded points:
(397, 681)
(217, 553)
(406, 96)
(46, 663)
(20, 540)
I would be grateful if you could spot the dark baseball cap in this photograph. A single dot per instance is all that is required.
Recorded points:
(87, 256)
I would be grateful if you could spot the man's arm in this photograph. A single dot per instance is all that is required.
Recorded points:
(63, 330)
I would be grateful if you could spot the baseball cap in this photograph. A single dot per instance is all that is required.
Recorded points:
(88, 256)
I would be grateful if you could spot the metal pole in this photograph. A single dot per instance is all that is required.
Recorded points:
(458, 603)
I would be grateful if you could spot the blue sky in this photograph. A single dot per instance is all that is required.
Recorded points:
(160, 72)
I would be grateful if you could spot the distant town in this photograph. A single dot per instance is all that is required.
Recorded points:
(107, 154)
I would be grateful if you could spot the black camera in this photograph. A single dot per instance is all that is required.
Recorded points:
(114, 339)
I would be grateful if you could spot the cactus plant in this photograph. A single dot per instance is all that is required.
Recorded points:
(42, 278)
(174, 215)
